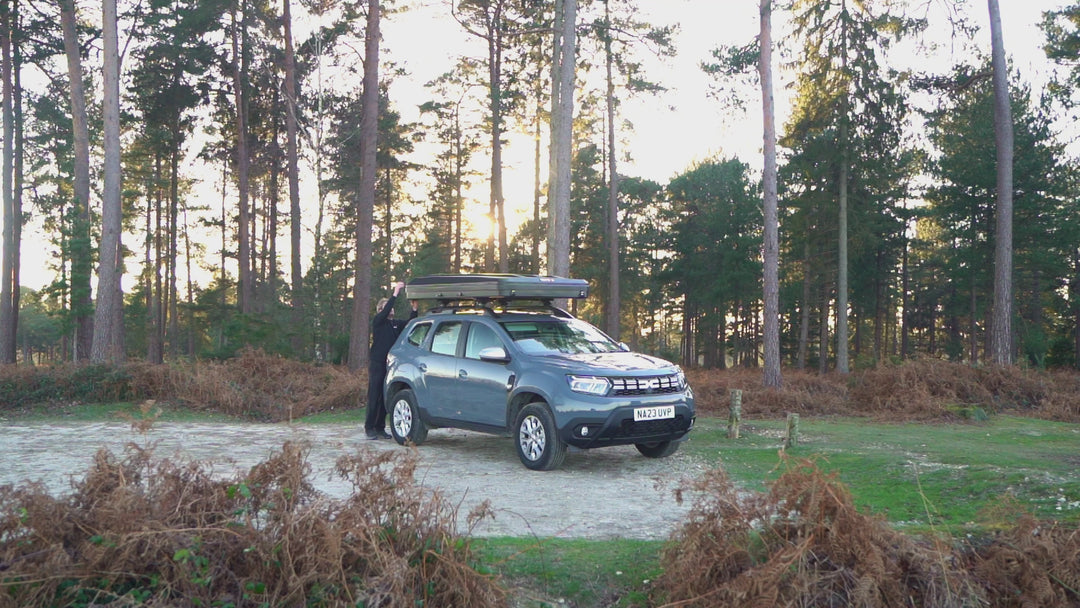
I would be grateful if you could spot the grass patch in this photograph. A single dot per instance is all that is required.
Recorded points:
(574, 572)
(916, 475)
(337, 416)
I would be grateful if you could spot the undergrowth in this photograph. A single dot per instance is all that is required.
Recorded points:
(803, 543)
(915, 390)
(253, 385)
(258, 386)
(139, 530)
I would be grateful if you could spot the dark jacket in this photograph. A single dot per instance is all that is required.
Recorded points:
(384, 331)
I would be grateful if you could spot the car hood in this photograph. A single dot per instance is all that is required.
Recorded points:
(611, 363)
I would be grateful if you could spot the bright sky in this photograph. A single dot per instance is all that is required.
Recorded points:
(672, 130)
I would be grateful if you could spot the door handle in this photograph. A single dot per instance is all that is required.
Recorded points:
(423, 367)
(462, 374)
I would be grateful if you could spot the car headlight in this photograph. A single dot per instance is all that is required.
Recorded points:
(591, 385)
(682, 379)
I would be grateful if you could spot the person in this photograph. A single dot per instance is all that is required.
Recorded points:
(384, 332)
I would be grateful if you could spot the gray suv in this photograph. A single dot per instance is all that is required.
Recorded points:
(537, 374)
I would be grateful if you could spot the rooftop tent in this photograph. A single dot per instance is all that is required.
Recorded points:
(501, 286)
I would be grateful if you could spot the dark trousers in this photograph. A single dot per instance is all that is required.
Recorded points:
(376, 405)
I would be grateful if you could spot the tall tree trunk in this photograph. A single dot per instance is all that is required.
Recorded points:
(190, 333)
(804, 312)
(537, 161)
(154, 347)
(9, 313)
(823, 330)
(905, 299)
(1001, 350)
(842, 261)
(172, 297)
(459, 181)
(246, 286)
(770, 247)
(562, 114)
(614, 299)
(108, 316)
(498, 203)
(81, 280)
(360, 333)
(294, 178)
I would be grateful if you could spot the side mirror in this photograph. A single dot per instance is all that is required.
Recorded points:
(624, 347)
(494, 354)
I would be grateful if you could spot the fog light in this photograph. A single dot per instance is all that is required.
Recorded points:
(584, 431)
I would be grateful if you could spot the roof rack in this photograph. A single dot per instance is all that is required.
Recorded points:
(497, 307)
(495, 287)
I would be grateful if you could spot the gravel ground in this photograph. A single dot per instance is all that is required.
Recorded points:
(604, 493)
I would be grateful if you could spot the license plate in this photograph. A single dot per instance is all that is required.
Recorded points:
(654, 413)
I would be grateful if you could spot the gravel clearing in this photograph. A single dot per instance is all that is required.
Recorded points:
(603, 493)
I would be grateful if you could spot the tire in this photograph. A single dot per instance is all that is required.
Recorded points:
(657, 449)
(537, 439)
(405, 423)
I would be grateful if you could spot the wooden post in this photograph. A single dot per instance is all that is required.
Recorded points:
(734, 414)
(792, 430)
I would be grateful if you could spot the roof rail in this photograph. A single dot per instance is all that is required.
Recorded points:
(498, 306)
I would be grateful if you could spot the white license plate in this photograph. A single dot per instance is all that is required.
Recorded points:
(654, 413)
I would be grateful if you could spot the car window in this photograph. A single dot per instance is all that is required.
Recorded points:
(446, 338)
(480, 337)
(418, 333)
(569, 336)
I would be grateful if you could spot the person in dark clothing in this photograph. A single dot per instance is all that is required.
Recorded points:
(384, 331)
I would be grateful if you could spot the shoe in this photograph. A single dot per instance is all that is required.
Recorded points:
(372, 435)
(384, 435)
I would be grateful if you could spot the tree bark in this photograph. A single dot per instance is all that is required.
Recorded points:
(108, 315)
(246, 287)
(9, 313)
(294, 176)
(770, 247)
(360, 334)
(614, 299)
(80, 280)
(1001, 350)
(562, 106)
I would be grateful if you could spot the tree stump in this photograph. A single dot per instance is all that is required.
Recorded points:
(734, 414)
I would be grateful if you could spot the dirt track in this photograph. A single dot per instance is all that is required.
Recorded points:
(611, 492)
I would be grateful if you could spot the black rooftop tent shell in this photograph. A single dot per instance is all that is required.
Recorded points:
(495, 286)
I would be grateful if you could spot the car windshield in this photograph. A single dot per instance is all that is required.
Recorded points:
(559, 336)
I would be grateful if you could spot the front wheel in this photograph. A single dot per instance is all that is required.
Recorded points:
(657, 449)
(537, 439)
(405, 422)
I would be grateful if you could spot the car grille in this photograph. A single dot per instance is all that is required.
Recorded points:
(650, 385)
(648, 428)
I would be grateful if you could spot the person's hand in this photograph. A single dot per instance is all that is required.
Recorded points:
(398, 287)
(414, 304)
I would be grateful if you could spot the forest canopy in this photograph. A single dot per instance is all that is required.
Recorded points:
(247, 218)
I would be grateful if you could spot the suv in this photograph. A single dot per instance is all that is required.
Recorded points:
(512, 364)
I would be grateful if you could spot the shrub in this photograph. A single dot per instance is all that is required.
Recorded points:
(139, 530)
(805, 544)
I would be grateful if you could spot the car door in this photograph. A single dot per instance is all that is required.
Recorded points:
(483, 385)
(440, 370)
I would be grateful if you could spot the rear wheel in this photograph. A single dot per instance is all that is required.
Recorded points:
(537, 439)
(657, 449)
(405, 422)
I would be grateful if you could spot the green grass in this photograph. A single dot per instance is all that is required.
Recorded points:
(557, 572)
(917, 475)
